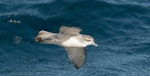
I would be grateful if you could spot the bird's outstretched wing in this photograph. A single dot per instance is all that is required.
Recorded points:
(77, 56)
(69, 30)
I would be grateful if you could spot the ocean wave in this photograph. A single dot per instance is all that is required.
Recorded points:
(121, 30)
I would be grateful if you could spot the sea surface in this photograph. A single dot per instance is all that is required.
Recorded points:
(121, 28)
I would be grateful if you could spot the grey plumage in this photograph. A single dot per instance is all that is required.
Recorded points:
(77, 56)
(71, 39)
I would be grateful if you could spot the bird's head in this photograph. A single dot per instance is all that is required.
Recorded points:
(88, 40)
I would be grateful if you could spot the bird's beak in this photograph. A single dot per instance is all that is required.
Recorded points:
(95, 44)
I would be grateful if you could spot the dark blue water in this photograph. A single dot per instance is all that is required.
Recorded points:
(120, 27)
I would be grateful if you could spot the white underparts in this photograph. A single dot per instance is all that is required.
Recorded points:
(73, 42)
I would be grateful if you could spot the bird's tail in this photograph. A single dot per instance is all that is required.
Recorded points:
(46, 32)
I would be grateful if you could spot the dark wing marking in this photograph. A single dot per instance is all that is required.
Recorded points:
(69, 30)
(77, 56)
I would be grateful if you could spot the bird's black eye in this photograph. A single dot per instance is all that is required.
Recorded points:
(88, 40)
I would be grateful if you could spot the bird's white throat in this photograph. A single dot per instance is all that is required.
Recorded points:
(73, 42)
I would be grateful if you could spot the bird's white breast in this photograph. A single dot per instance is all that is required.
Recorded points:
(73, 42)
